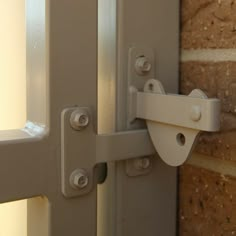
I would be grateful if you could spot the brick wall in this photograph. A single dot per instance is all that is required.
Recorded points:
(207, 182)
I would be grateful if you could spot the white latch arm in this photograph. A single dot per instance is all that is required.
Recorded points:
(185, 111)
(174, 121)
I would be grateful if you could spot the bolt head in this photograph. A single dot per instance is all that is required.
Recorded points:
(143, 163)
(143, 65)
(79, 119)
(79, 179)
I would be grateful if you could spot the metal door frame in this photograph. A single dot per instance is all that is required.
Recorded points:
(61, 73)
(143, 205)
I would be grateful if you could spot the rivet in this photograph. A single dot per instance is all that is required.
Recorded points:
(195, 113)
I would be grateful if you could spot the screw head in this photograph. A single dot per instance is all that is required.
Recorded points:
(142, 163)
(79, 119)
(143, 65)
(79, 179)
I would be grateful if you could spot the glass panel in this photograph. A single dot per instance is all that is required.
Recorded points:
(21, 49)
(13, 216)
(27, 217)
(12, 64)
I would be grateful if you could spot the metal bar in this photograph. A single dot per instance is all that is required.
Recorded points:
(177, 109)
(24, 170)
(150, 198)
(107, 33)
(123, 146)
(37, 35)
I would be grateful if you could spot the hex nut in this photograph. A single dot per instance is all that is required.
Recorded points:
(79, 179)
(79, 119)
(143, 65)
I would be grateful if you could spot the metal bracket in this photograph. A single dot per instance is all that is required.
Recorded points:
(82, 149)
(173, 122)
(141, 67)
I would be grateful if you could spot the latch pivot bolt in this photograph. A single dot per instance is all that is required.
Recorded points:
(143, 65)
(79, 119)
(195, 113)
(79, 179)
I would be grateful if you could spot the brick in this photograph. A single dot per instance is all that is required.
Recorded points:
(208, 24)
(207, 203)
(216, 80)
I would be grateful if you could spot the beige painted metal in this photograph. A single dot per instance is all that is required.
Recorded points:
(123, 145)
(174, 121)
(97, 149)
(173, 136)
(61, 56)
(62, 73)
(174, 109)
(151, 198)
(107, 41)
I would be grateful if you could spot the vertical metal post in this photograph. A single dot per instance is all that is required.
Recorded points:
(146, 205)
(62, 71)
(107, 69)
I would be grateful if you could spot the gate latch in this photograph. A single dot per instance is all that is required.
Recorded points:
(174, 121)
(173, 124)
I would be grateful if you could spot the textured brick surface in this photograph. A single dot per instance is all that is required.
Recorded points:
(207, 203)
(208, 24)
(216, 80)
(207, 200)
